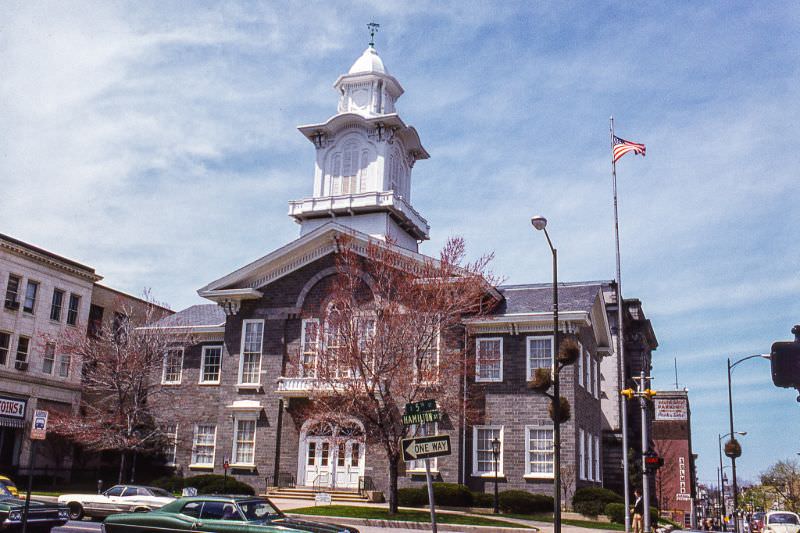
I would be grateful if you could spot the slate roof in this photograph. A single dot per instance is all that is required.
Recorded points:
(538, 297)
(196, 315)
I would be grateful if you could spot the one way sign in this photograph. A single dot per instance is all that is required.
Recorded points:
(426, 447)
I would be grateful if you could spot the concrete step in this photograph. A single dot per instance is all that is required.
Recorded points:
(302, 493)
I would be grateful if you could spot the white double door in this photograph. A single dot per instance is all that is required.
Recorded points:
(333, 464)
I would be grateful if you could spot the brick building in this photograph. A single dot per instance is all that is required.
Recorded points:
(241, 401)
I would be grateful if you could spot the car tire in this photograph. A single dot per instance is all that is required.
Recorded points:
(75, 511)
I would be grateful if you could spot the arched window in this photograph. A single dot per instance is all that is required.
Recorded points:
(363, 185)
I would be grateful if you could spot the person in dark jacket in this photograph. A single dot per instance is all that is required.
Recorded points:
(638, 512)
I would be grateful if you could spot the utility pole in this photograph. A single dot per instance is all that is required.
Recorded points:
(645, 449)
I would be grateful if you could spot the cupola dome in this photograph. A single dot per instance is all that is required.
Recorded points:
(369, 61)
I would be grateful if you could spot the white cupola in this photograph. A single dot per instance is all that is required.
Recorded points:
(365, 154)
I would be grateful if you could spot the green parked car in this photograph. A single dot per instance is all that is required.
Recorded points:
(41, 516)
(217, 514)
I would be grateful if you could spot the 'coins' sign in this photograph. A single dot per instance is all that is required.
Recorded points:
(12, 407)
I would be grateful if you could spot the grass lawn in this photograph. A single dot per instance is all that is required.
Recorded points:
(378, 513)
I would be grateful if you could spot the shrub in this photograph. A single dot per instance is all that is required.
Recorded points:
(231, 486)
(169, 483)
(452, 495)
(412, 497)
(615, 512)
(592, 501)
(523, 502)
(205, 484)
(482, 499)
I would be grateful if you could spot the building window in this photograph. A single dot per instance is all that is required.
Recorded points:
(211, 365)
(581, 453)
(30, 296)
(539, 452)
(482, 454)
(57, 305)
(171, 450)
(423, 430)
(426, 364)
(72, 310)
(95, 327)
(205, 438)
(252, 342)
(587, 368)
(23, 344)
(120, 325)
(597, 475)
(12, 292)
(309, 348)
(489, 359)
(579, 370)
(540, 354)
(64, 361)
(49, 358)
(173, 367)
(589, 456)
(5, 343)
(244, 441)
(596, 380)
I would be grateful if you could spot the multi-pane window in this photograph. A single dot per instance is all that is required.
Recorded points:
(205, 438)
(30, 296)
(49, 358)
(56, 305)
(72, 310)
(539, 451)
(589, 457)
(489, 359)
(120, 325)
(23, 345)
(579, 369)
(5, 343)
(423, 430)
(171, 449)
(592, 375)
(64, 361)
(597, 476)
(581, 454)
(309, 348)
(427, 360)
(12, 292)
(483, 455)
(252, 341)
(540, 354)
(244, 442)
(211, 364)
(173, 367)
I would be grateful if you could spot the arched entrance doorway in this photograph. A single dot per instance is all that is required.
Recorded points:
(331, 454)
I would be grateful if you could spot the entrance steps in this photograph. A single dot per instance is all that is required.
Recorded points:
(309, 493)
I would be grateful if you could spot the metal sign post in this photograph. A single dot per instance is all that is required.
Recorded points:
(38, 432)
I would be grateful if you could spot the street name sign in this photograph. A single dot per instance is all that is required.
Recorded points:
(421, 418)
(426, 447)
(420, 407)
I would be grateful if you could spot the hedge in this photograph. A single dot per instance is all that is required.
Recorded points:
(482, 499)
(412, 497)
(592, 501)
(616, 512)
(452, 495)
(205, 484)
(523, 502)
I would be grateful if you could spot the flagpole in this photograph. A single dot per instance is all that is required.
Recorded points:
(621, 379)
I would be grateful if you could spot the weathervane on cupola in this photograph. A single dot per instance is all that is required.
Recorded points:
(373, 29)
(364, 157)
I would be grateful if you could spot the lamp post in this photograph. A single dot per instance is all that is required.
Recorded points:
(733, 455)
(540, 223)
(496, 455)
(721, 469)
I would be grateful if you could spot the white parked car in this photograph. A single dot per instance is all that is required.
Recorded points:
(781, 522)
(117, 499)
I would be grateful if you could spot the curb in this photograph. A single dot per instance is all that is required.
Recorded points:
(401, 524)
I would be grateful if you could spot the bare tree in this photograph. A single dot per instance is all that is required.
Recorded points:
(784, 478)
(391, 332)
(121, 365)
(567, 483)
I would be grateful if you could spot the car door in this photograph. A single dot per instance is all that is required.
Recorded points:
(103, 504)
(221, 517)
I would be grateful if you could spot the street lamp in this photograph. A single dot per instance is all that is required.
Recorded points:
(736, 451)
(540, 223)
(722, 478)
(496, 454)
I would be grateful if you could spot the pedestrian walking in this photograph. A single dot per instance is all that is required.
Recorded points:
(638, 512)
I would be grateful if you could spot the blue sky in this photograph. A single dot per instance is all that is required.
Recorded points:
(156, 141)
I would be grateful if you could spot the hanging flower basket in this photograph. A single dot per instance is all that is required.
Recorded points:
(565, 411)
(568, 350)
(541, 380)
(733, 449)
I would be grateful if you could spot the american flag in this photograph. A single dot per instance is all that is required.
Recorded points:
(622, 147)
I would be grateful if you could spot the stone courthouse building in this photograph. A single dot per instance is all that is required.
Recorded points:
(239, 396)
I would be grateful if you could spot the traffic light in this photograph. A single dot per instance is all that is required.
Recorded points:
(649, 393)
(628, 393)
(785, 362)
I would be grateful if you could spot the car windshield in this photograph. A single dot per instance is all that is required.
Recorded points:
(783, 518)
(160, 492)
(256, 510)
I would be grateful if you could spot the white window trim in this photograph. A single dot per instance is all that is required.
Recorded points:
(479, 379)
(590, 456)
(475, 472)
(528, 473)
(44, 358)
(164, 368)
(438, 357)
(596, 381)
(528, 375)
(203, 365)
(581, 451)
(174, 448)
(209, 466)
(597, 461)
(580, 366)
(434, 462)
(260, 351)
(244, 416)
(303, 326)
